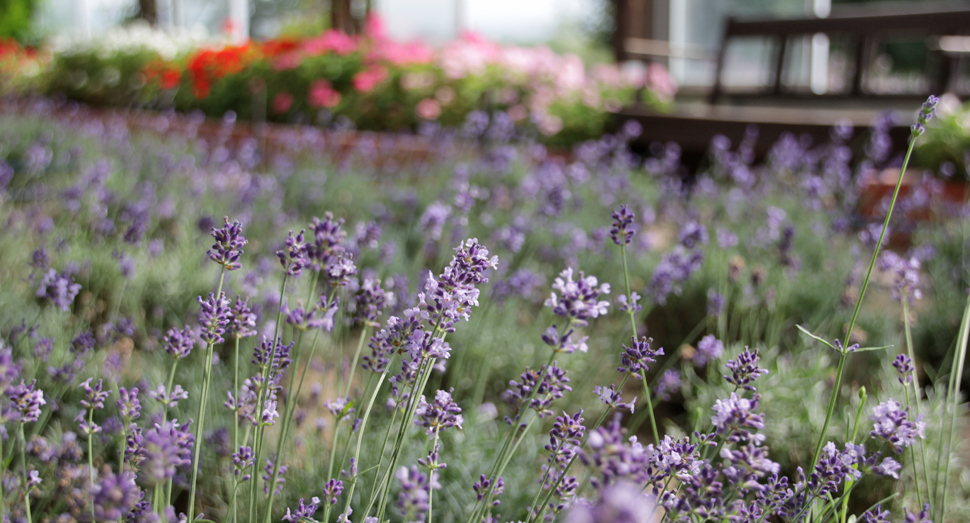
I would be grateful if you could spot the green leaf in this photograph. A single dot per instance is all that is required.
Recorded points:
(867, 349)
(820, 340)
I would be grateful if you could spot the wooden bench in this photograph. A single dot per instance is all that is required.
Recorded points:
(865, 28)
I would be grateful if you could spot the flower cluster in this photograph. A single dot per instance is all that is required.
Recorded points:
(438, 415)
(214, 316)
(925, 115)
(905, 273)
(293, 256)
(578, 300)
(58, 289)
(26, 401)
(745, 370)
(636, 358)
(623, 228)
(537, 388)
(449, 298)
(891, 424)
(228, 247)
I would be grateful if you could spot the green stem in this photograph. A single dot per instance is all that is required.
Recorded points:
(206, 382)
(916, 393)
(431, 481)
(419, 383)
(360, 437)
(956, 379)
(91, 461)
(858, 305)
(646, 393)
(23, 466)
(353, 366)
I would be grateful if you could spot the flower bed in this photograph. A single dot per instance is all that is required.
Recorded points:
(370, 81)
(325, 351)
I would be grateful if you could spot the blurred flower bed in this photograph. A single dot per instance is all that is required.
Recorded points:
(368, 82)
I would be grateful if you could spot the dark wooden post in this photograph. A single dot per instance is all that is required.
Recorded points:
(148, 11)
(861, 58)
(779, 63)
(721, 53)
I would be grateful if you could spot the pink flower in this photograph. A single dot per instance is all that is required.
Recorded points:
(367, 79)
(518, 112)
(287, 61)
(282, 102)
(374, 27)
(660, 82)
(322, 95)
(331, 40)
(428, 109)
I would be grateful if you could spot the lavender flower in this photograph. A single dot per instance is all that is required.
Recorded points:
(708, 349)
(242, 461)
(58, 289)
(876, 515)
(169, 399)
(577, 300)
(268, 476)
(542, 393)
(83, 343)
(564, 344)
(623, 229)
(735, 415)
(165, 447)
(745, 370)
(415, 492)
(228, 247)
(94, 396)
(243, 322)
(486, 487)
(692, 234)
(613, 399)
(293, 256)
(891, 423)
(179, 343)
(669, 383)
(26, 401)
(214, 316)
(715, 303)
(439, 415)
(905, 273)
(564, 442)
(639, 356)
(370, 300)
(611, 459)
(332, 490)
(672, 271)
(922, 517)
(128, 405)
(394, 337)
(303, 512)
(629, 305)
(904, 366)
(925, 115)
(114, 496)
(622, 502)
(455, 291)
(328, 238)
